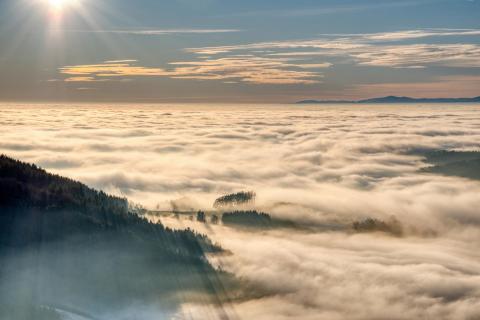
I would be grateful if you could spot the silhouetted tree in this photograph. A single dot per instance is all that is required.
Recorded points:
(201, 217)
(214, 219)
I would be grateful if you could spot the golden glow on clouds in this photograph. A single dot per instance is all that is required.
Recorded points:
(246, 68)
(112, 70)
(81, 79)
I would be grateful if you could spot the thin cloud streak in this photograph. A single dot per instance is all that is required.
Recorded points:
(371, 49)
(159, 32)
(406, 34)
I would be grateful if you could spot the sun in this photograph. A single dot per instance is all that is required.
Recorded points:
(59, 5)
(56, 4)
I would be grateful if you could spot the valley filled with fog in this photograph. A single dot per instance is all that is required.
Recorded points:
(324, 170)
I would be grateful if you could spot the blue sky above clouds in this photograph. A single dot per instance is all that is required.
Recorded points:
(237, 51)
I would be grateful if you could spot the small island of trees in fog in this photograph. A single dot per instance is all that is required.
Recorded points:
(242, 198)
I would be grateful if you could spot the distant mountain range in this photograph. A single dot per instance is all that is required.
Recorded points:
(395, 99)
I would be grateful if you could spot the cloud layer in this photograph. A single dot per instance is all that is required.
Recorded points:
(375, 49)
(325, 167)
(317, 67)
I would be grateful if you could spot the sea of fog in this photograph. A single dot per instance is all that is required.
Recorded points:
(324, 167)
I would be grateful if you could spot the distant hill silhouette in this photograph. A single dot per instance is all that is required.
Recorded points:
(64, 244)
(394, 99)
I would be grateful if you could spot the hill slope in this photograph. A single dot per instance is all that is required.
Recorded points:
(85, 251)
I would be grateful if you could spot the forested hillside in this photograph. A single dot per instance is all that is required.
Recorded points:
(83, 248)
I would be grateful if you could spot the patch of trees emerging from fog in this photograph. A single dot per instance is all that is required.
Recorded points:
(242, 198)
(465, 164)
(392, 226)
(262, 220)
(251, 218)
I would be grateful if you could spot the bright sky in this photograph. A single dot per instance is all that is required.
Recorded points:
(237, 51)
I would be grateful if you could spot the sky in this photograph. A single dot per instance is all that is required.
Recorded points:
(273, 51)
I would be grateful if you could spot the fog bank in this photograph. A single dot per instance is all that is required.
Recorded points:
(320, 166)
